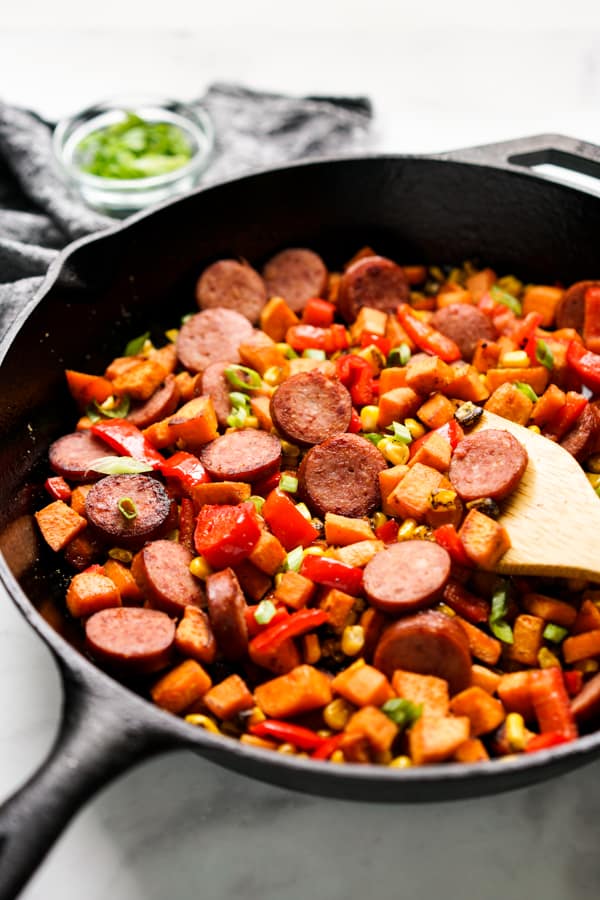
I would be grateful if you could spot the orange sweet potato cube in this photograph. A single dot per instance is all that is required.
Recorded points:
(363, 685)
(194, 636)
(89, 592)
(508, 401)
(435, 452)
(294, 590)
(436, 738)
(228, 698)
(194, 424)
(483, 711)
(182, 686)
(268, 553)
(426, 374)
(375, 726)
(339, 607)
(299, 691)
(410, 498)
(59, 524)
(429, 690)
(436, 411)
(485, 541)
(396, 405)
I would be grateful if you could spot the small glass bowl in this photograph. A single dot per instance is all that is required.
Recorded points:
(120, 197)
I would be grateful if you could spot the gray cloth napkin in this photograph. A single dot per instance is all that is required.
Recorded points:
(39, 216)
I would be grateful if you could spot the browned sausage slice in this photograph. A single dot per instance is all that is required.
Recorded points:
(586, 704)
(232, 285)
(246, 455)
(428, 643)
(406, 576)
(309, 408)
(130, 640)
(216, 386)
(465, 325)
(570, 311)
(162, 571)
(211, 335)
(161, 404)
(296, 275)
(582, 439)
(372, 281)
(110, 524)
(487, 464)
(72, 454)
(226, 606)
(341, 475)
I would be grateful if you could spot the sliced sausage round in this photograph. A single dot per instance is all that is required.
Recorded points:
(226, 610)
(372, 281)
(487, 464)
(72, 454)
(296, 275)
(216, 386)
(428, 643)
(309, 408)
(570, 310)
(161, 404)
(582, 439)
(245, 455)
(130, 640)
(406, 576)
(211, 335)
(151, 506)
(235, 285)
(341, 475)
(162, 571)
(465, 325)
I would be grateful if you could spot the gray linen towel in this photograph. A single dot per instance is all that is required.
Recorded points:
(39, 216)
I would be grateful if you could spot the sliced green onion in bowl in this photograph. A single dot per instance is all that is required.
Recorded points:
(554, 633)
(117, 411)
(313, 353)
(399, 356)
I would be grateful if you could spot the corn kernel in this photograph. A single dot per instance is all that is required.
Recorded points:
(421, 533)
(374, 357)
(515, 731)
(535, 428)
(547, 659)
(337, 713)
(400, 762)
(587, 666)
(442, 498)
(416, 429)
(250, 422)
(394, 452)
(200, 568)
(594, 480)
(369, 416)
(447, 610)
(593, 463)
(337, 757)
(514, 359)
(288, 749)
(256, 716)
(311, 648)
(510, 284)
(289, 449)
(203, 722)
(379, 519)
(110, 403)
(353, 640)
(171, 334)
(273, 375)
(124, 556)
(407, 529)
(315, 551)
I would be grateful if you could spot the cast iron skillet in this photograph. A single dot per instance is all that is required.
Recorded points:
(480, 203)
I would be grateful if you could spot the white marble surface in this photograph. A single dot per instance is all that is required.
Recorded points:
(178, 827)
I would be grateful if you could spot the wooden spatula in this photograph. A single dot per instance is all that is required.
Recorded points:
(553, 517)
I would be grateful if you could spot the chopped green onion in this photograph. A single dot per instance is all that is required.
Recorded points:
(313, 353)
(187, 318)
(243, 378)
(373, 437)
(239, 400)
(264, 612)
(114, 412)
(403, 713)
(293, 560)
(288, 483)
(127, 508)
(119, 465)
(304, 511)
(506, 299)
(497, 620)
(468, 413)
(258, 502)
(399, 356)
(401, 433)
(237, 418)
(554, 633)
(544, 354)
(527, 390)
(92, 413)
(136, 345)
(502, 631)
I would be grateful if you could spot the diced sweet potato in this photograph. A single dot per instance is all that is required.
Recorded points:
(194, 424)
(294, 590)
(159, 434)
(435, 452)
(483, 711)
(426, 374)
(436, 738)
(535, 376)
(550, 609)
(548, 405)
(228, 698)
(508, 401)
(479, 283)
(581, 646)
(528, 640)
(429, 690)
(194, 636)
(543, 299)
(436, 411)
(89, 592)
(358, 554)
(276, 317)
(466, 384)
(339, 607)
(473, 750)
(396, 334)
(268, 553)
(391, 378)
(261, 408)
(59, 524)
(588, 617)
(452, 293)
(221, 493)
(253, 582)
(375, 726)
(362, 685)
(124, 581)
(86, 388)
(481, 645)
(280, 659)
(484, 678)
(166, 357)
(181, 687)
(78, 496)
(485, 541)
(299, 691)
(342, 530)
(369, 320)
(410, 498)
(263, 358)
(396, 405)
(388, 479)
(514, 689)
(141, 380)
(486, 356)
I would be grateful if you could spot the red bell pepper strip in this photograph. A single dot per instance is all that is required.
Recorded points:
(388, 532)
(472, 608)
(226, 535)
(586, 364)
(312, 337)
(186, 469)
(303, 738)
(447, 537)
(332, 573)
(255, 627)
(382, 343)
(58, 488)
(355, 425)
(426, 337)
(566, 417)
(525, 335)
(573, 680)
(591, 320)
(128, 440)
(356, 374)
(318, 312)
(287, 522)
(544, 741)
(551, 703)
(328, 746)
(187, 523)
(298, 623)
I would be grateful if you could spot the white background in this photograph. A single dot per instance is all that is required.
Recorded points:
(441, 76)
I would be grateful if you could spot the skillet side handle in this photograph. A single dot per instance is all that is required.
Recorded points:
(98, 739)
(555, 150)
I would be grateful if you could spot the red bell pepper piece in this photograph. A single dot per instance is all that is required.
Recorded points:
(332, 573)
(452, 431)
(447, 537)
(426, 337)
(298, 623)
(263, 488)
(573, 680)
(226, 535)
(544, 741)
(355, 425)
(86, 389)
(591, 320)
(356, 374)
(58, 488)
(255, 627)
(318, 312)
(382, 343)
(312, 337)
(186, 469)
(388, 532)
(128, 440)
(525, 335)
(303, 738)
(187, 523)
(586, 364)
(567, 415)
(328, 746)
(551, 703)
(287, 522)
(472, 608)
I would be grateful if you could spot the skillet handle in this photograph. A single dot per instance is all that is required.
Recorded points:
(99, 738)
(554, 150)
